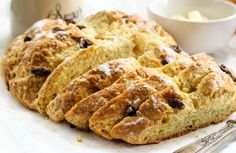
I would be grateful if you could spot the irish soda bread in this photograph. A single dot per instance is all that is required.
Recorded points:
(118, 75)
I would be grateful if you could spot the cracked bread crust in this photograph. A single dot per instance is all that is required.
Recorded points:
(90, 82)
(213, 99)
(112, 112)
(145, 34)
(41, 48)
(206, 89)
(143, 128)
(161, 56)
(80, 114)
(78, 64)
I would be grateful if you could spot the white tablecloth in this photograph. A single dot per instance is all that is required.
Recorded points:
(24, 131)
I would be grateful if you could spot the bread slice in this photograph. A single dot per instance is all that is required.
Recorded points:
(90, 82)
(126, 103)
(212, 102)
(83, 110)
(76, 65)
(155, 111)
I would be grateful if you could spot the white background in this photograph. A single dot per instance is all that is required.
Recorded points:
(24, 131)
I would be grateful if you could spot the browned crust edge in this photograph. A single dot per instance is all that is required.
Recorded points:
(218, 120)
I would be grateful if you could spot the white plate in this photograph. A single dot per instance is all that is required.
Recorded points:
(25, 131)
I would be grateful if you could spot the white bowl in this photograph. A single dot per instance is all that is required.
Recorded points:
(194, 37)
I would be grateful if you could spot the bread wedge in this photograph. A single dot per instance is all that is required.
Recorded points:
(90, 82)
(155, 111)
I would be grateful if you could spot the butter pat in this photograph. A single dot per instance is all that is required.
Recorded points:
(191, 16)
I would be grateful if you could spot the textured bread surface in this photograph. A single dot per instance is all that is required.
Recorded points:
(90, 82)
(107, 116)
(205, 95)
(35, 54)
(118, 75)
(79, 64)
(116, 41)
(80, 114)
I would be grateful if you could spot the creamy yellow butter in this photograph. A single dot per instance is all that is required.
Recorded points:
(191, 16)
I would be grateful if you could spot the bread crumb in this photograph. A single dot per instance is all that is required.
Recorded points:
(79, 139)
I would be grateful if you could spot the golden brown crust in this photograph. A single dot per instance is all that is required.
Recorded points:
(187, 130)
(107, 26)
(34, 55)
(213, 97)
(82, 111)
(90, 82)
(79, 64)
(107, 116)
(48, 42)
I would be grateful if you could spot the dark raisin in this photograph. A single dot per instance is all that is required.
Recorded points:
(69, 20)
(125, 18)
(177, 49)
(164, 61)
(81, 27)
(175, 103)
(27, 38)
(84, 43)
(72, 126)
(8, 87)
(41, 71)
(227, 71)
(56, 29)
(130, 111)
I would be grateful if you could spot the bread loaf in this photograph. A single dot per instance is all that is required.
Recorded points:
(118, 75)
